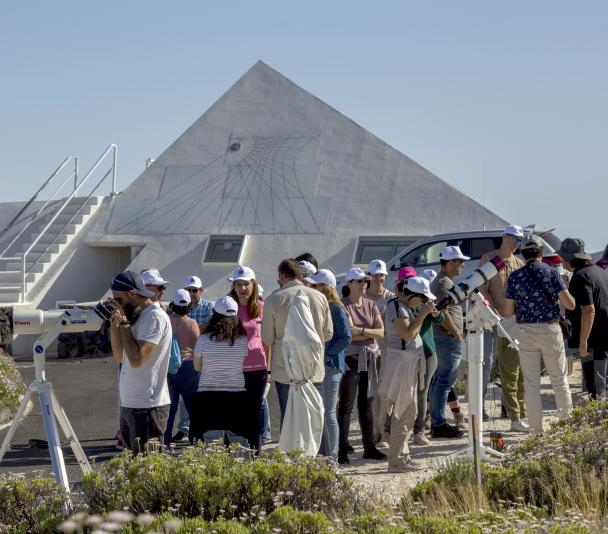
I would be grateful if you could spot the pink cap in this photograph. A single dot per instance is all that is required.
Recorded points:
(406, 272)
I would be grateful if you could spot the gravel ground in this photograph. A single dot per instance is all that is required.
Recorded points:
(372, 476)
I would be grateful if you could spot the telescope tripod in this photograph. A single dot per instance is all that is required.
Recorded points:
(479, 317)
(51, 411)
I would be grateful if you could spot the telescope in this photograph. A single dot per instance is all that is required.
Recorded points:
(65, 318)
(465, 289)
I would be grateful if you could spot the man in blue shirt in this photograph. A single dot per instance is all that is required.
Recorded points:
(201, 309)
(534, 294)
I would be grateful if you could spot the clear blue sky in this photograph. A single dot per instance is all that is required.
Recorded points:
(513, 91)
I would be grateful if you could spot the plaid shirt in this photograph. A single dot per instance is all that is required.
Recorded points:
(202, 312)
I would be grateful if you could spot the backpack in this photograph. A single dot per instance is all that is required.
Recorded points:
(175, 359)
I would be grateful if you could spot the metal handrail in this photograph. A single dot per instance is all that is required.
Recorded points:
(74, 173)
(111, 148)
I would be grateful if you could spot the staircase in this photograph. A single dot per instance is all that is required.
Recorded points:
(33, 241)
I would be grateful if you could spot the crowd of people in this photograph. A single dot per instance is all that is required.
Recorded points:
(389, 350)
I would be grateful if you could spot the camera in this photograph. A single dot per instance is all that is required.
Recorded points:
(104, 309)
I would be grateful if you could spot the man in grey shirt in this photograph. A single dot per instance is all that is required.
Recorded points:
(448, 341)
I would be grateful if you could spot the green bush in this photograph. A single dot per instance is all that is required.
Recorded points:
(211, 483)
(11, 386)
(31, 505)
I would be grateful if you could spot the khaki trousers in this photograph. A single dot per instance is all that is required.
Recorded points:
(546, 340)
(512, 380)
(398, 451)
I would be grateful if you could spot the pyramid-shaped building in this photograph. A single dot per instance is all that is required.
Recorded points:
(271, 171)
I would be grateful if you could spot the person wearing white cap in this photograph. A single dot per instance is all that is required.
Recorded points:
(325, 282)
(511, 377)
(448, 341)
(376, 269)
(404, 366)
(222, 408)
(361, 379)
(251, 311)
(307, 269)
(184, 383)
(200, 309)
(429, 274)
(155, 282)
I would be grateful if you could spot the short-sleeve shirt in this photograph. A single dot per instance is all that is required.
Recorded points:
(186, 330)
(146, 386)
(440, 287)
(382, 300)
(256, 357)
(202, 312)
(531, 305)
(364, 316)
(589, 285)
(394, 310)
(222, 364)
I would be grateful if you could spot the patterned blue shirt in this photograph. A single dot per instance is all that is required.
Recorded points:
(202, 312)
(531, 305)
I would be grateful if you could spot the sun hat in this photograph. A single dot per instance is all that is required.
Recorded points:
(356, 274)
(152, 277)
(573, 248)
(514, 230)
(226, 306)
(532, 241)
(429, 274)
(193, 281)
(131, 281)
(376, 267)
(325, 277)
(420, 285)
(181, 298)
(242, 273)
(306, 268)
(406, 272)
(452, 253)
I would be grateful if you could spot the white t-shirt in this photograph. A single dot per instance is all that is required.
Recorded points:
(222, 365)
(146, 386)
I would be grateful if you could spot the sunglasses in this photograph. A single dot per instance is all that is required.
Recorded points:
(159, 288)
(362, 281)
(193, 289)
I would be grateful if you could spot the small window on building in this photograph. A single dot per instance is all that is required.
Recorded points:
(382, 247)
(224, 248)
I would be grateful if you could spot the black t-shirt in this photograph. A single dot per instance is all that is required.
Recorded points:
(589, 285)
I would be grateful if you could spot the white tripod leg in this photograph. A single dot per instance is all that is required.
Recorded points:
(70, 435)
(45, 394)
(13, 428)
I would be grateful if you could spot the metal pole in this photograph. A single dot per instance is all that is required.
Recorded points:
(75, 172)
(476, 461)
(114, 191)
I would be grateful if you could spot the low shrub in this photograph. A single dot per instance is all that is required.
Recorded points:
(11, 387)
(210, 483)
(31, 505)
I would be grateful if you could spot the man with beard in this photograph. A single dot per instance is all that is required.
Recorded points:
(141, 336)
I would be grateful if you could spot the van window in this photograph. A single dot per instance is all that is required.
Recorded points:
(381, 247)
(483, 245)
(424, 255)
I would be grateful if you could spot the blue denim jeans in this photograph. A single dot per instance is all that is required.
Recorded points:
(184, 383)
(224, 437)
(266, 434)
(449, 354)
(183, 425)
(331, 430)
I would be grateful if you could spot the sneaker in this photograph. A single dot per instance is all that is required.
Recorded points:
(459, 419)
(519, 426)
(374, 454)
(410, 465)
(180, 436)
(343, 458)
(349, 449)
(421, 439)
(446, 431)
(384, 442)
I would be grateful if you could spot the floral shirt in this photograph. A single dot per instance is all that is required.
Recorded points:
(531, 305)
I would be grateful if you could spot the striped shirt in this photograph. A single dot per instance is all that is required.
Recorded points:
(222, 364)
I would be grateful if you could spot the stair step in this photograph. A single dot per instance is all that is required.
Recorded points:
(29, 266)
(35, 256)
(10, 276)
(48, 238)
(41, 247)
(10, 297)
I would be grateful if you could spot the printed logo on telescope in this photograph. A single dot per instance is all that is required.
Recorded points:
(22, 323)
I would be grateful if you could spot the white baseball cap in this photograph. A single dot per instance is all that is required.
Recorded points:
(452, 253)
(356, 274)
(429, 274)
(152, 277)
(242, 273)
(325, 277)
(376, 267)
(307, 268)
(226, 306)
(181, 298)
(420, 285)
(515, 230)
(193, 281)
